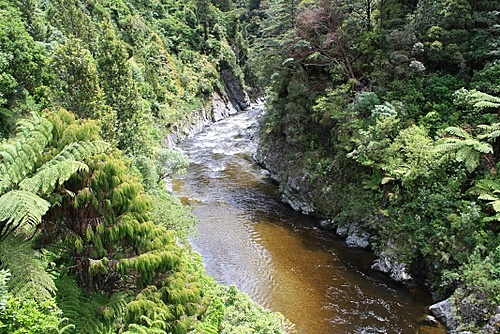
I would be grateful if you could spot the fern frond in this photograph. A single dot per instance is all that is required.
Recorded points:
(480, 146)
(63, 166)
(488, 197)
(482, 100)
(19, 155)
(448, 145)
(46, 178)
(20, 209)
(80, 151)
(495, 205)
(27, 126)
(486, 185)
(29, 278)
(65, 328)
(457, 132)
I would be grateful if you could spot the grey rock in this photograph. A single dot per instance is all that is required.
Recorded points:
(389, 264)
(235, 92)
(355, 236)
(444, 312)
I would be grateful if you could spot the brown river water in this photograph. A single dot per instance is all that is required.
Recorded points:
(248, 237)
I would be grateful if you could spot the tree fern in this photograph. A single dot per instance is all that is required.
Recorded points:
(46, 179)
(477, 99)
(29, 278)
(20, 204)
(490, 132)
(489, 190)
(467, 149)
(20, 209)
(19, 154)
(102, 312)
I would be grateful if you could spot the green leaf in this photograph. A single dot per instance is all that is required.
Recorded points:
(21, 209)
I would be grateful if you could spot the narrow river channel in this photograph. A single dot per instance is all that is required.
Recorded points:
(248, 237)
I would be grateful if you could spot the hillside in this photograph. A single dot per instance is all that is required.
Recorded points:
(90, 92)
(382, 120)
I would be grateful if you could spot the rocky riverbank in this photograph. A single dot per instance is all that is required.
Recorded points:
(229, 101)
(305, 193)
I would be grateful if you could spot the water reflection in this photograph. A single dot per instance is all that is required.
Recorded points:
(246, 236)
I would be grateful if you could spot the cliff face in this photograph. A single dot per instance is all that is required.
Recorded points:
(325, 196)
(229, 101)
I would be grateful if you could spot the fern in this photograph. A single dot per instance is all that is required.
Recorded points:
(102, 312)
(20, 209)
(28, 276)
(457, 132)
(19, 155)
(63, 166)
(492, 131)
(466, 148)
(45, 180)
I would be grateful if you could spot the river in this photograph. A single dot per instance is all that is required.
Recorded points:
(280, 257)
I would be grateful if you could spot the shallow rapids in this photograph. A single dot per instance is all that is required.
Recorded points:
(248, 237)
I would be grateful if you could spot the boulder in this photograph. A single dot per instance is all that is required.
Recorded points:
(444, 312)
(388, 263)
(355, 236)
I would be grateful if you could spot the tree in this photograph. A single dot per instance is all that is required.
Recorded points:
(22, 68)
(465, 147)
(76, 84)
(129, 122)
(26, 187)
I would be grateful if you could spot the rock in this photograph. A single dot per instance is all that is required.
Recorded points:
(388, 263)
(428, 320)
(294, 194)
(220, 109)
(360, 241)
(443, 311)
(355, 236)
(235, 92)
(327, 224)
(297, 204)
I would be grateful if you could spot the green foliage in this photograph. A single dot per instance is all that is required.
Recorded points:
(22, 66)
(27, 316)
(231, 311)
(20, 154)
(401, 140)
(169, 212)
(76, 84)
(477, 298)
(467, 149)
(103, 313)
(23, 208)
(29, 279)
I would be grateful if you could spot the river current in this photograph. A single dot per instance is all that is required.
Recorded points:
(248, 237)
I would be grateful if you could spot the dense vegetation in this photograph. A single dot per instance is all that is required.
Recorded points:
(386, 114)
(90, 240)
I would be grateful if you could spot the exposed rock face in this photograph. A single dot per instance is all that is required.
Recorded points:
(444, 312)
(293, 195)
(188, 127)
(224, 104)
(355, 236)
(235, 92)
(388, 263)
(222, 108)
